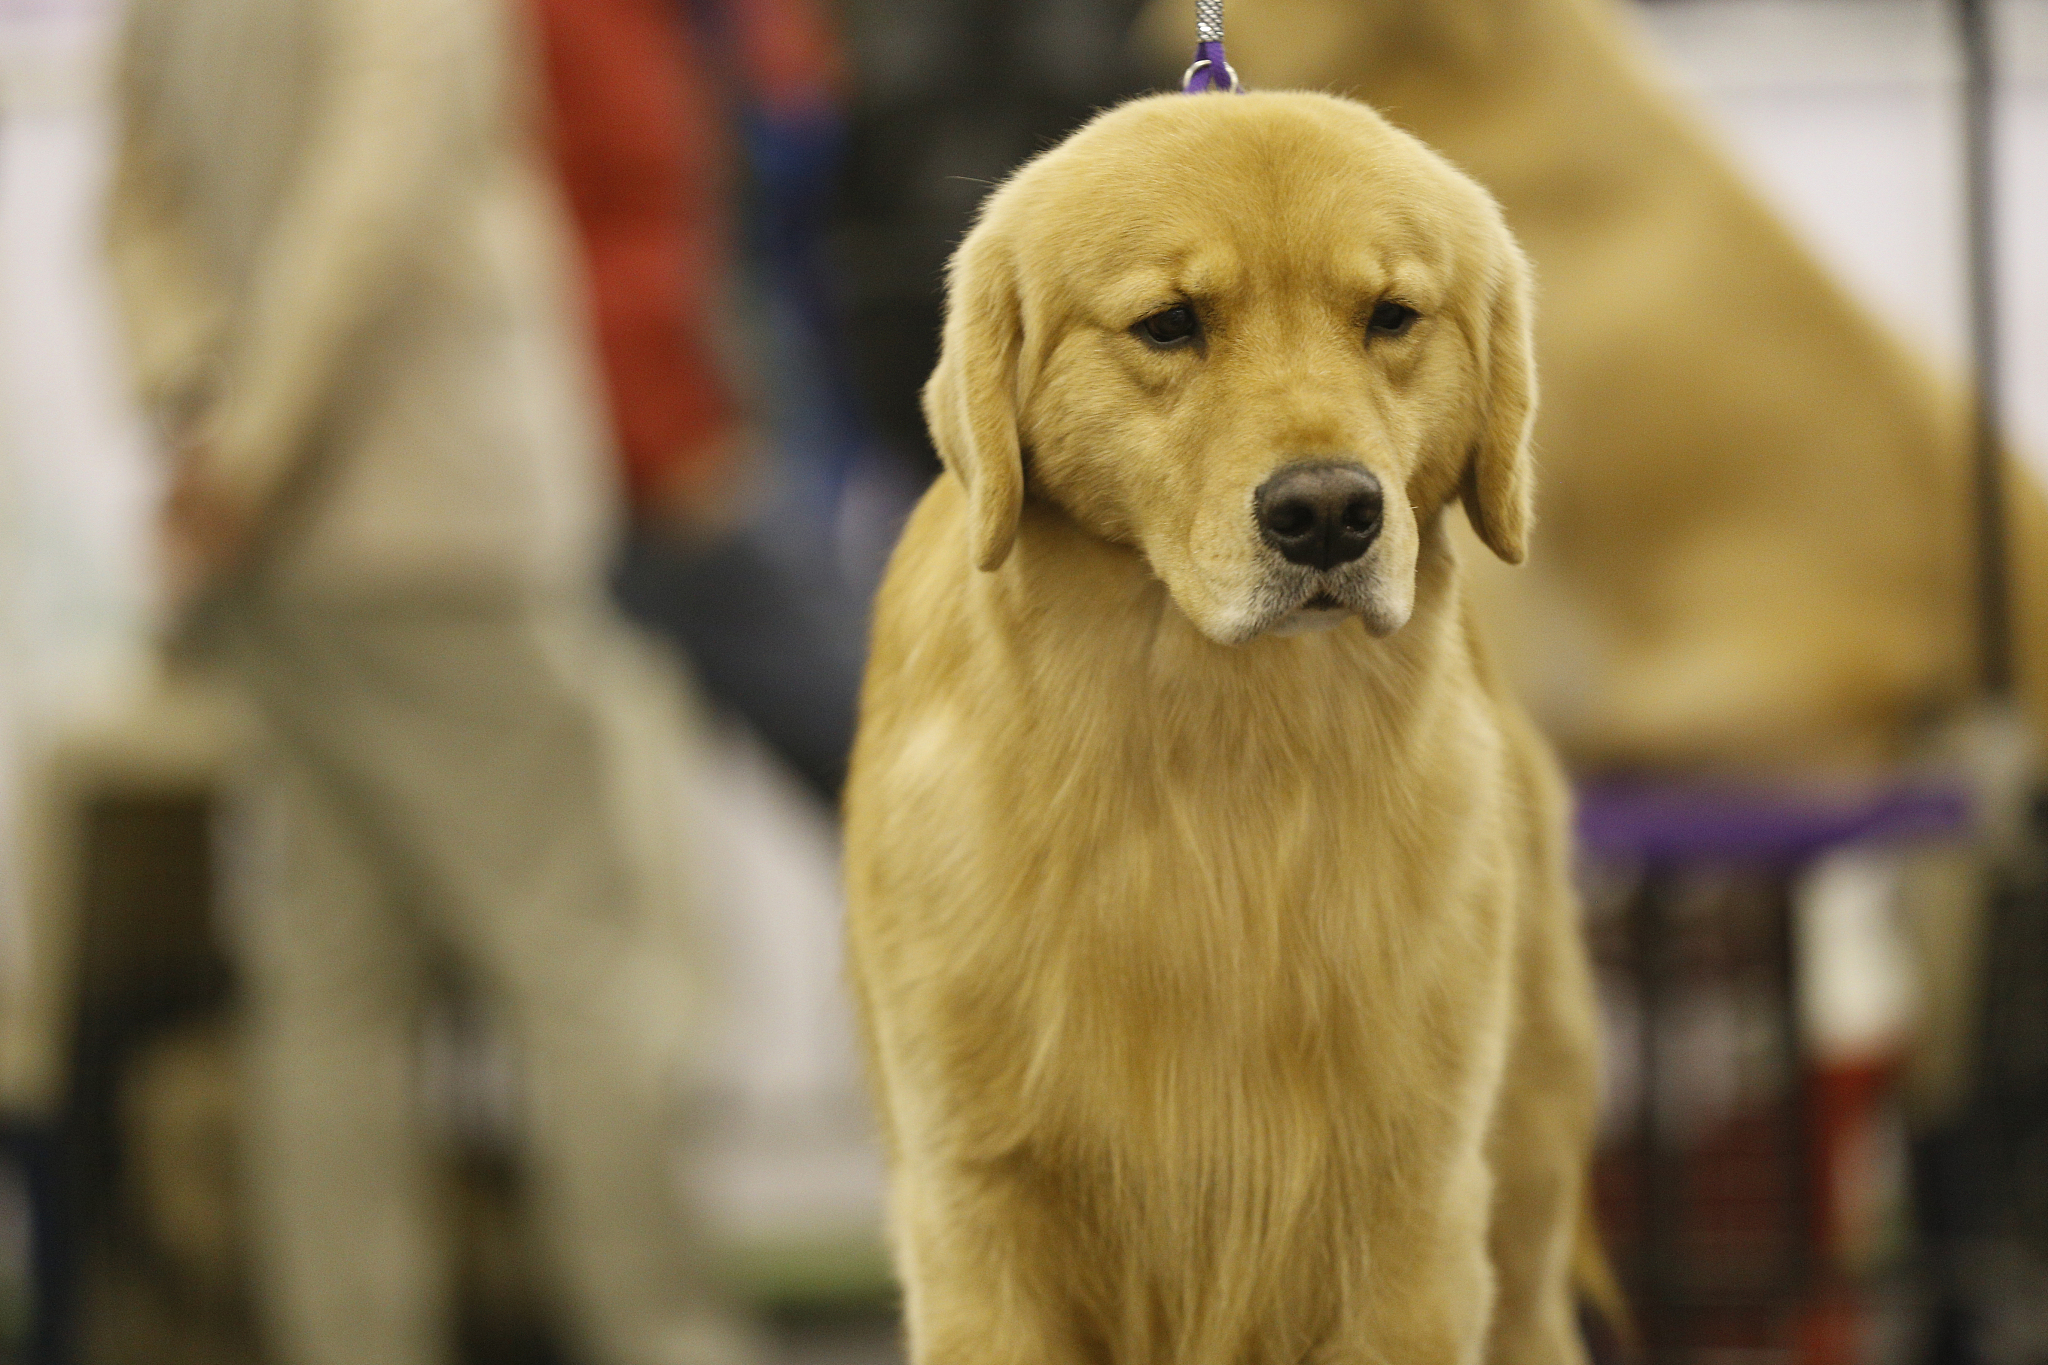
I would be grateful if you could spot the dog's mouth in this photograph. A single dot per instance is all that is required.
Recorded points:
(1322, 597)
(1294, 599)
(1319, 611)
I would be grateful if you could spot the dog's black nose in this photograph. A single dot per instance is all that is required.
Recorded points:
(1321, 515)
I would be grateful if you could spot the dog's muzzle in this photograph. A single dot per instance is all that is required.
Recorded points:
(1319, 514)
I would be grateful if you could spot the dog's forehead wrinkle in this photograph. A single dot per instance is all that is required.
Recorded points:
(1340, 258)
(1380, 269)
(1195, 271)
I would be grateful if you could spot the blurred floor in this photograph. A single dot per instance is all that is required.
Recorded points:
(836, 1339)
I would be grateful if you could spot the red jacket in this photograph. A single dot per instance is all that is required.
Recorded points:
(642, 141)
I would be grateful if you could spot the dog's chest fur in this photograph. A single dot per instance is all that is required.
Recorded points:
(1231, 911)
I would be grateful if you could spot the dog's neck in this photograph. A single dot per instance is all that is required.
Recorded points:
(1314, 752)
(1067, 594)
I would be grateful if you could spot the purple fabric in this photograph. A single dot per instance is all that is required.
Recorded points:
(1214, 76)
(1730, 823)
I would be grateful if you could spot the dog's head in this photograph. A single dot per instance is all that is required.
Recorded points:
(1263, 339)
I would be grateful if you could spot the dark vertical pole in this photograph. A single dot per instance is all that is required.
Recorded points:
(1980, 213)
(1656, 1190)
(1954, 1191)
(1797, 1149)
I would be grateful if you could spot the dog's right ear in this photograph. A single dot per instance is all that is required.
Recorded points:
(1499, 478)
(970, 402)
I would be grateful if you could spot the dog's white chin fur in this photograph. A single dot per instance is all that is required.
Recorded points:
(1379, 616)
(1380, 619)
(1310, 621)
(1272, 598)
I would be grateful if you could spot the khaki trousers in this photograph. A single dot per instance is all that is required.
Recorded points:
(492, 786)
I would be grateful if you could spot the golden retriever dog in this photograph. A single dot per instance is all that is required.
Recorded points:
(1209, 898)
(1755, 549)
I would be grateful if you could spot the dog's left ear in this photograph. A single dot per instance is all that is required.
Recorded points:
(1499, 486)
(970, 401)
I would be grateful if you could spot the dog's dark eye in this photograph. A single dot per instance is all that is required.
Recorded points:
(1391, 319)
(1170, 326)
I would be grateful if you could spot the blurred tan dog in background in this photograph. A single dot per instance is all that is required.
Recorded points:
(1755, 545)
(1208, 896)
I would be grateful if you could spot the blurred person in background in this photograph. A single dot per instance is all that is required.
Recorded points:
(649, 99)
(852, 185)
(350, 306)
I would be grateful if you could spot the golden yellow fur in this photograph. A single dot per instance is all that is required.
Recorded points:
(1223, 983)
(1755, 538)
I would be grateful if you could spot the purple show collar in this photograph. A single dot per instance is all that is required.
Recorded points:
(1209, 71)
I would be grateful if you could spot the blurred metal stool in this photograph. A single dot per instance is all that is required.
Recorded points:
(114, 815)
(1666, 832)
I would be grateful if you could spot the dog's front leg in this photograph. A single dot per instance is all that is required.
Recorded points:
(981, 1282)
(1541, 1143)
(1419, 1293)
